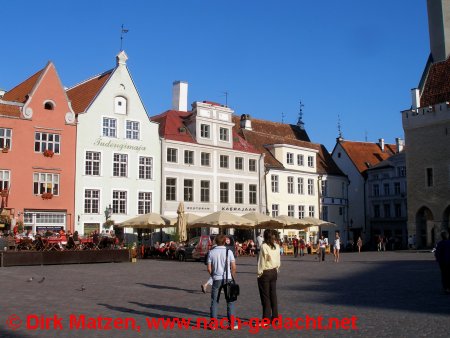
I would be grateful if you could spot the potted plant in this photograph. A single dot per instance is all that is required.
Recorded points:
(47, 196)
(5, 150)
(49, 153)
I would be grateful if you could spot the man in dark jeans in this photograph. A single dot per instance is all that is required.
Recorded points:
(322, 246)
(295, 244)
(218, 269)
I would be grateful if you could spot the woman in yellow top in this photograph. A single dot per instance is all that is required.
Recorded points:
(268, 266)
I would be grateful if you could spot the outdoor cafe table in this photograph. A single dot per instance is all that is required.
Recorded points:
(52, 243)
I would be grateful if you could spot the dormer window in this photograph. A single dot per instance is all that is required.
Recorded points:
(49, 105)
(224, 134)
(120, 105)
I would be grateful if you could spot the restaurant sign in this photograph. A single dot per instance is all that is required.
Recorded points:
(247, 209)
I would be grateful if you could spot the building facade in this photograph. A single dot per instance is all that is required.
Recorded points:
(118, 151)
(205, 163)
(386, 199)
(37, 161)
(427, 132)
(301, 178)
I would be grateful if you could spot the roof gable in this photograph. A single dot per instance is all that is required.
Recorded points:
(437, 84)
(21, 92)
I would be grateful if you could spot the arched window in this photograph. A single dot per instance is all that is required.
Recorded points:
(49, 105)
(120, 105)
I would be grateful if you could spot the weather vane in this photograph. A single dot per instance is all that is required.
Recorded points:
(339, 126)
(226, 97)
(122, 32)
(300, 114)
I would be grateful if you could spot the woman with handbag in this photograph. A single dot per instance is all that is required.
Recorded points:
(268, 266)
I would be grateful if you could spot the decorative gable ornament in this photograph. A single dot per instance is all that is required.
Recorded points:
(27, 113)
(70, 117)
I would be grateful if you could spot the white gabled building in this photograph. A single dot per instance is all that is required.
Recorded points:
(118, 150)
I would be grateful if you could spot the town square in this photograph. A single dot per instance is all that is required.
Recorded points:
(199, 168)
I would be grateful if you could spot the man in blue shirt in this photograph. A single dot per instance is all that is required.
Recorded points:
(218, 271)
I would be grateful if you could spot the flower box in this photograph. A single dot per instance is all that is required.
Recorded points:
(47, 196)
(48, 153)
(5, 150)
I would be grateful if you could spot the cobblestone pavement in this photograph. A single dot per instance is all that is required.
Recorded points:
(391, 294)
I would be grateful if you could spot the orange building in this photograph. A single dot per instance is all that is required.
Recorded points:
(37, 159)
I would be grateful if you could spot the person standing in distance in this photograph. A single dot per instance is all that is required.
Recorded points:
(337, 247)
(442, 255)
(217, 269)
(268, 266)
(259, 242)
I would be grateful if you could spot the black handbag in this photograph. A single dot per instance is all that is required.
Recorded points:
(230, 288)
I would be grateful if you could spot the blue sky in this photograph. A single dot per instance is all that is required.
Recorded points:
(353, 58)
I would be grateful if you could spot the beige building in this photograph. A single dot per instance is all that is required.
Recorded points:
(427, 133)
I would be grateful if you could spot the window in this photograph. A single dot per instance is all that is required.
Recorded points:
(324, 188)
(223, 192)
(290, 158)
(300, 160)
(120, 163)
(401, 171)
(4, 179)
(239, 193)
(45, 183)
(300, 187)
(387, 210)
(386, 189)
(291, 210)
(239, 163)
(120, 105)
(92, 164)
(224, 134)
(188, 190)
(311, 211)
(224, 161)
(172, 155)
(204, 131)
(398, 210)
(325, 213)
(310, 186)
(132, 130)
(204, 191)
(48, 105)
(290, 184)
(311, 161)
(252, 197)
(91, 201)
(275, 210)
(429, 177)
(119, 202)
(109, 127)
(171, 189)
(397, 189)
(205, 159)
(46, 141)
(188, 157)
(376, 210)
(144, 203)
(376, 190)
(274, 179)
(301, 211)
(5, 138)
(252, 165)
(145, 168)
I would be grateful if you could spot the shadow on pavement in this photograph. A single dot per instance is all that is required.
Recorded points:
(166, 287)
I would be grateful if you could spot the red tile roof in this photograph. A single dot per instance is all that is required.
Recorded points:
(82, 94)
(365, 155)
(9, 110)
(266, 133)
(172, 127)
(20, 92)
(437, 84)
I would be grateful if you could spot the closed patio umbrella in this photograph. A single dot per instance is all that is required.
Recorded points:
(181, 223)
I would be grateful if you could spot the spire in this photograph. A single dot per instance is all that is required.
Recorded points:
(300, 122)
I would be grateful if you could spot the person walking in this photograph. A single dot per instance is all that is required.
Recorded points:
(359, 244)
(322, 247)
(337, 247)
(259, 242)
(442, 254)
(268, 266)
(302, 246)
(295, 245)
(221, 263)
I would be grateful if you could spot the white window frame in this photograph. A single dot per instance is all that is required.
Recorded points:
(120, 164)
(290, 184)
(274, 183)
(275, 210)
(301, 211)
(5, 138)
(239, 193)
(311, 161)
(224, 134)
(224, 192)
(300, 160)
(189, 156)
(108, 129)
(91, 199)
(46, 183)
(41, 145)
(239, 163)
(300, 185)
(310, 186)
(5, 179)
(203, 157)
(132, 130)
(290, 158)
(222, 161)
(145, 170)
(252, 165)
(205, 191)
(145, 200)
(311, 211)
(252, 194)
(171, 189)
(89, 163)
(119, 202)
(170, 153)
(205, 132)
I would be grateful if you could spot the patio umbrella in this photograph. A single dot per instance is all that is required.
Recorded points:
(147, 221)
(222, 219)
(263, 221)
(311, 221)
(292, 222)
(181, 223)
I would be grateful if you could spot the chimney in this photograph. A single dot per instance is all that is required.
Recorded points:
(439, 28)
(400, 144)
(179, 95)
(246, 123)
(2, 92)
(381, 143)
(415, 95)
